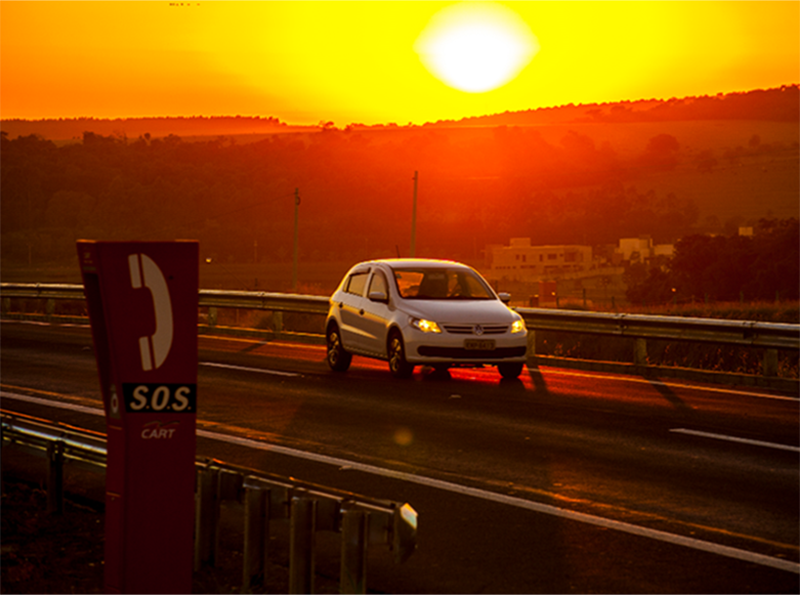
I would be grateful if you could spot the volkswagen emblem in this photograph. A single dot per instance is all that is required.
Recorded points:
(478, 329)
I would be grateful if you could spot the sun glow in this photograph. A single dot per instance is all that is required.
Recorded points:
(476, 47)
(376, 62)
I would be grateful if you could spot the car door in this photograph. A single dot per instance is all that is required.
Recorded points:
(350, 302)
(375, 316)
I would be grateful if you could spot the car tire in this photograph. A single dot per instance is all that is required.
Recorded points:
(398, 365)
(338, 359)
(510, 371)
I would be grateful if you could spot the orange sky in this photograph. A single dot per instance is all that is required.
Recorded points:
(359, 62)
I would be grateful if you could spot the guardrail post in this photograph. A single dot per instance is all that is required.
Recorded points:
(301, 545)
(353, 576)
(5, 305)
(205, 517)
(770, 365)
(256, 533)
(49, 308)
(55, 477)
(2, 487)
(531, 342)
(277, 322)
(640, 351)
(212, 316)
(229, 486)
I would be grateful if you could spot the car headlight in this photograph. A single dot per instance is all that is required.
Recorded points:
(426, 326)
(518, 326)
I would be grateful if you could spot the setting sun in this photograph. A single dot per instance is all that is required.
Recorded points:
(476, 47)
(381, 62)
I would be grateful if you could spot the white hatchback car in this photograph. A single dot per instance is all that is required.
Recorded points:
(423, 312)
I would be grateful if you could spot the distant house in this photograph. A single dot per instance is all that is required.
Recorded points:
(519, 261)
(642, 249)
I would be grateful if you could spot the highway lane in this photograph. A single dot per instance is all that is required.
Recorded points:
(469, 451)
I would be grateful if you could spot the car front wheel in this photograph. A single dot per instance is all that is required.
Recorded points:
(399, 367)
(338, 359)
(510, 371)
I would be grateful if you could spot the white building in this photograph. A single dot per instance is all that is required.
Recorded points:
(520, 261)
(642, 249)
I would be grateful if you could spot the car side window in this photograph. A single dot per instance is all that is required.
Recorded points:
(356, 283)
(378, 283)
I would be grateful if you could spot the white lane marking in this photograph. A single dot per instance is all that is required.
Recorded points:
(709, 389)
(550, 370)
(663, 536)
(514, 501)
(735, 439)
(51, 403)
(266, 343)
(246, 369)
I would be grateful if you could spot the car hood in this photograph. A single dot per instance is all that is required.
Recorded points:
(455, 311)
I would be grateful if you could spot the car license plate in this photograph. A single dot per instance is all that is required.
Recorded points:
(479, 344)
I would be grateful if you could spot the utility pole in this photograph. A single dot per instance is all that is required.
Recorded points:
(414, 219)
(294, 259)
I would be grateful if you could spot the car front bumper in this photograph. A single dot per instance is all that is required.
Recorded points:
(424, 348)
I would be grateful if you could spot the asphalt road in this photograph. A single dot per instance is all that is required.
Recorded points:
(561, 481)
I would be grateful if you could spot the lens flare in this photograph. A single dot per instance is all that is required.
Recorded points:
(403, 436)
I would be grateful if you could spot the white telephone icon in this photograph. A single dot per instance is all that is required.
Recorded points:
(145, 273)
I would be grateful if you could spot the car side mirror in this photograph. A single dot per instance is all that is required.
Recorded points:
(504, 297)
(378, 296)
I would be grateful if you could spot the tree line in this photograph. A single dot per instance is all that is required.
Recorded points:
(477, 186)
(777, 104)
(764, 266)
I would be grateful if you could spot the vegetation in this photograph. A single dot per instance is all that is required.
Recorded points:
(771, 104)
(725, 268)
(581, 181)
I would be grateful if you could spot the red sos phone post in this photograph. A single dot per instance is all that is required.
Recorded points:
(142, 299)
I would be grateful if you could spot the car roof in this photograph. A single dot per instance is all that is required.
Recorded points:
(399, 263)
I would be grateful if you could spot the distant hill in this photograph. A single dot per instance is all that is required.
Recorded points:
(132, 128)
(780, 105)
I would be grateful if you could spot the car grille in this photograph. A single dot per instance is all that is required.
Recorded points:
(471, 329)
(460, 353)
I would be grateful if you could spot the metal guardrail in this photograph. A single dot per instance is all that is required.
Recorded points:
(362, 521)
(258, 300)
(57, 442)
(213, 299)
(767, 335)
(640, 327)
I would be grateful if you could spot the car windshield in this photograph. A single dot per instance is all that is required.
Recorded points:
(440, 284)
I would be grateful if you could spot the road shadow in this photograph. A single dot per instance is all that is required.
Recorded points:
(432, 374)
(537, 380)
(670, 396)
(253, 346)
